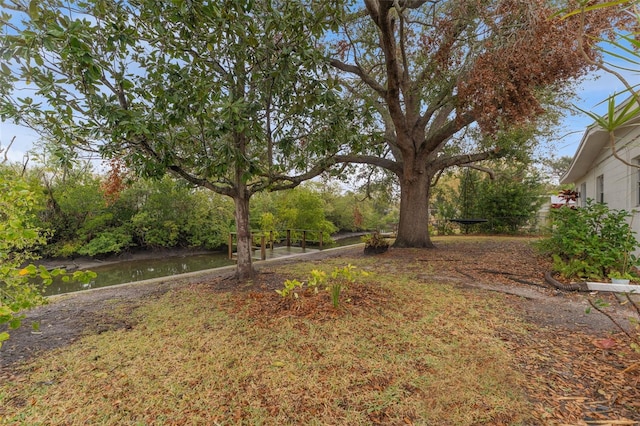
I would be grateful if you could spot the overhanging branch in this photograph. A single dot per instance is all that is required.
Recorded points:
(358, 71)
(490, 172)
(466, 160)
(392, 166)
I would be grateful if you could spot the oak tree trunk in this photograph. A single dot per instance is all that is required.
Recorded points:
(413, 229)
(244, 270)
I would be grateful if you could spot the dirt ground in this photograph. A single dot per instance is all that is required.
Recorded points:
(580, 367)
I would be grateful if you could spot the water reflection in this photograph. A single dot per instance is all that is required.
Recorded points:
(139, 270)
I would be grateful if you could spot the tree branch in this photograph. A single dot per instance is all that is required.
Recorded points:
(356, 70)
(281, 182)
(6, 150)
(443, 133)
(464, 159)
(411, 4)
(220, 188)
(490, 172)
(614, 151)
(385, 163)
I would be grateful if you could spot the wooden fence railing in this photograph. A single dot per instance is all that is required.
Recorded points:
(269, 238)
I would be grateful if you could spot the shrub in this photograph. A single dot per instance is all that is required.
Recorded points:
(375, 243)
(107, 242)
(19, 237)
(590, 242)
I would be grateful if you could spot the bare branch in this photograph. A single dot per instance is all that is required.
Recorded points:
(356, 70)
(614, 151)
(606, 314)
(437, 177)
(464, 159)
(490, 172)
(392, 166)
(443, 133)
(222, 188)
(412, 4)
(6, 150)
(281, 182)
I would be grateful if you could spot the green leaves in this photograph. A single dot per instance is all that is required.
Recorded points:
(615, 116)
(4, 336)
(340, 279)
(289, 288)
(34, 11)
(585, 6)
(590, 242)
(142, 91)
(206, 90)
(21, 286)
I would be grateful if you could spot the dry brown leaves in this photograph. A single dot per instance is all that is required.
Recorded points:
(576, 376)
(572, 379)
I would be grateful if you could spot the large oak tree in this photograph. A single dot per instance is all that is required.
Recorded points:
(438, 71)
(229, 95)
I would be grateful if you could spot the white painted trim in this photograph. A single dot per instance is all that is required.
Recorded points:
(618, 288)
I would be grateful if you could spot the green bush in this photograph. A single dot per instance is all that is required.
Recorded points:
(107, 242)
(590, 242)
(20, 236)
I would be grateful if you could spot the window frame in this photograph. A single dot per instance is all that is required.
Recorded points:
(600, 189)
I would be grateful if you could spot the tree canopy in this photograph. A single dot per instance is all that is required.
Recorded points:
(230, 95)
(451, 79)
(240, 96)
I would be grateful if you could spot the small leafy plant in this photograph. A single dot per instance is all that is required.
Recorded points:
(341, 278)
(621, 275)
(289, 288)
(375, 243)
(316, 279)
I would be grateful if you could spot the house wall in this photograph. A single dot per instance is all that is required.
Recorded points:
(621, 181)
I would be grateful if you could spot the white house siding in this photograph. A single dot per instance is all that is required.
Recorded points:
(621, 181)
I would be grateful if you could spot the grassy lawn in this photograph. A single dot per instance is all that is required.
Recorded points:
(399, 350)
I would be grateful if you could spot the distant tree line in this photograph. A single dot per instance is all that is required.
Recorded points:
(88, 214)
(84, 213)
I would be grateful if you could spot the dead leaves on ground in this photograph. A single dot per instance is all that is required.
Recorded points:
(574, 377)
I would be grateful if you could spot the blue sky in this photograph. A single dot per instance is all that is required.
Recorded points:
(591, 93)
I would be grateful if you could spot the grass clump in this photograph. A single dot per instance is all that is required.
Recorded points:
(415, 354)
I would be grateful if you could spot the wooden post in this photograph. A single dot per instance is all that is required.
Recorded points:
(230, 245)
(288, 237)
(320, 240)
(271, 239)
(263, 251)
(304, 240)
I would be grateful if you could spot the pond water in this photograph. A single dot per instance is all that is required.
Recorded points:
(139, 270)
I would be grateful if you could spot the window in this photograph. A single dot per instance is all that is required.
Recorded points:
(600, 189)
(583, 194)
